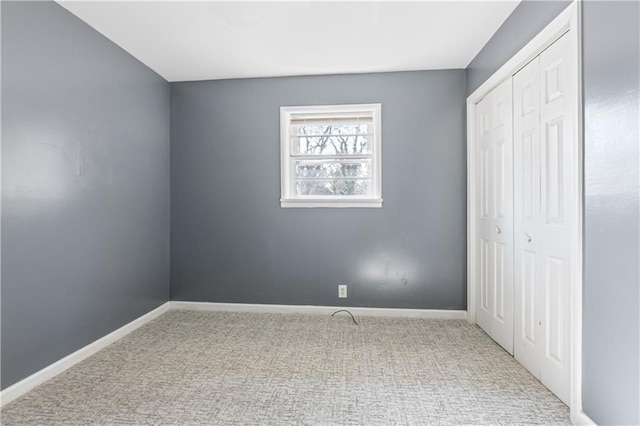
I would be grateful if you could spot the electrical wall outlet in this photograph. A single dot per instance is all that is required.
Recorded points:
(342, 291)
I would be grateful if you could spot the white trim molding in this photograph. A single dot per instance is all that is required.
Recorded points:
(319, 310)
(18, 389)
(567, 22)
(583, 420)
(357, 203)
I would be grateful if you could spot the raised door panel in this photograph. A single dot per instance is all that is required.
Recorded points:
(499, 278)
(528, 162)
(553, 163)
(554, 284)
(484, 168)
(485, 279)
(528, 299)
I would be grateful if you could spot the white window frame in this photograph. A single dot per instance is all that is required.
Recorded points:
(288, 197)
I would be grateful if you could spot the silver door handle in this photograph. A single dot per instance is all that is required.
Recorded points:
(498, 230)
(528, 237)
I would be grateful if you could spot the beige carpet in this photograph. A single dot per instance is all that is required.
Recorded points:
(271, 369)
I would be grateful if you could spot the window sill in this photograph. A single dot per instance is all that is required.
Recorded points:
(295, 203)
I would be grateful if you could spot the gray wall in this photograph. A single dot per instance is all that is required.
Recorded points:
(612, 212)
(85, 187)
(611, 62)
(231, 241)
(525, 22)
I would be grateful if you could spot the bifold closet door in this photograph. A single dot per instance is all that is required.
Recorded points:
(495, 219)
(545, 195)
(526, 158)
(559, 201)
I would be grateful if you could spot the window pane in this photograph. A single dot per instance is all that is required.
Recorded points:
(332, 129)
(332, 169)
(349, 139)
(331, 187)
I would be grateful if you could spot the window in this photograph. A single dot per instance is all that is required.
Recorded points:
(331, 156)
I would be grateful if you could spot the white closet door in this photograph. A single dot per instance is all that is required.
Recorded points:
(558, 201)
(495, 157)
(502, 211)
(545, 193)
(483, 138)
(526, 129)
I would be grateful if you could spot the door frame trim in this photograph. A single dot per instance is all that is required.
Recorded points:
(566, 22)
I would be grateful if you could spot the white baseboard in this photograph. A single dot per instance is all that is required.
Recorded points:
(321, 310)
(583, 420)
(38, 378)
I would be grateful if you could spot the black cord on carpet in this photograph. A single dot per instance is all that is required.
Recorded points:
(344, 310)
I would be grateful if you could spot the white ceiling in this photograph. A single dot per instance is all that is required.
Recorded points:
(235, 39)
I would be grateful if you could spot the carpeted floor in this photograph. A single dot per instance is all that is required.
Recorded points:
(271, 369)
